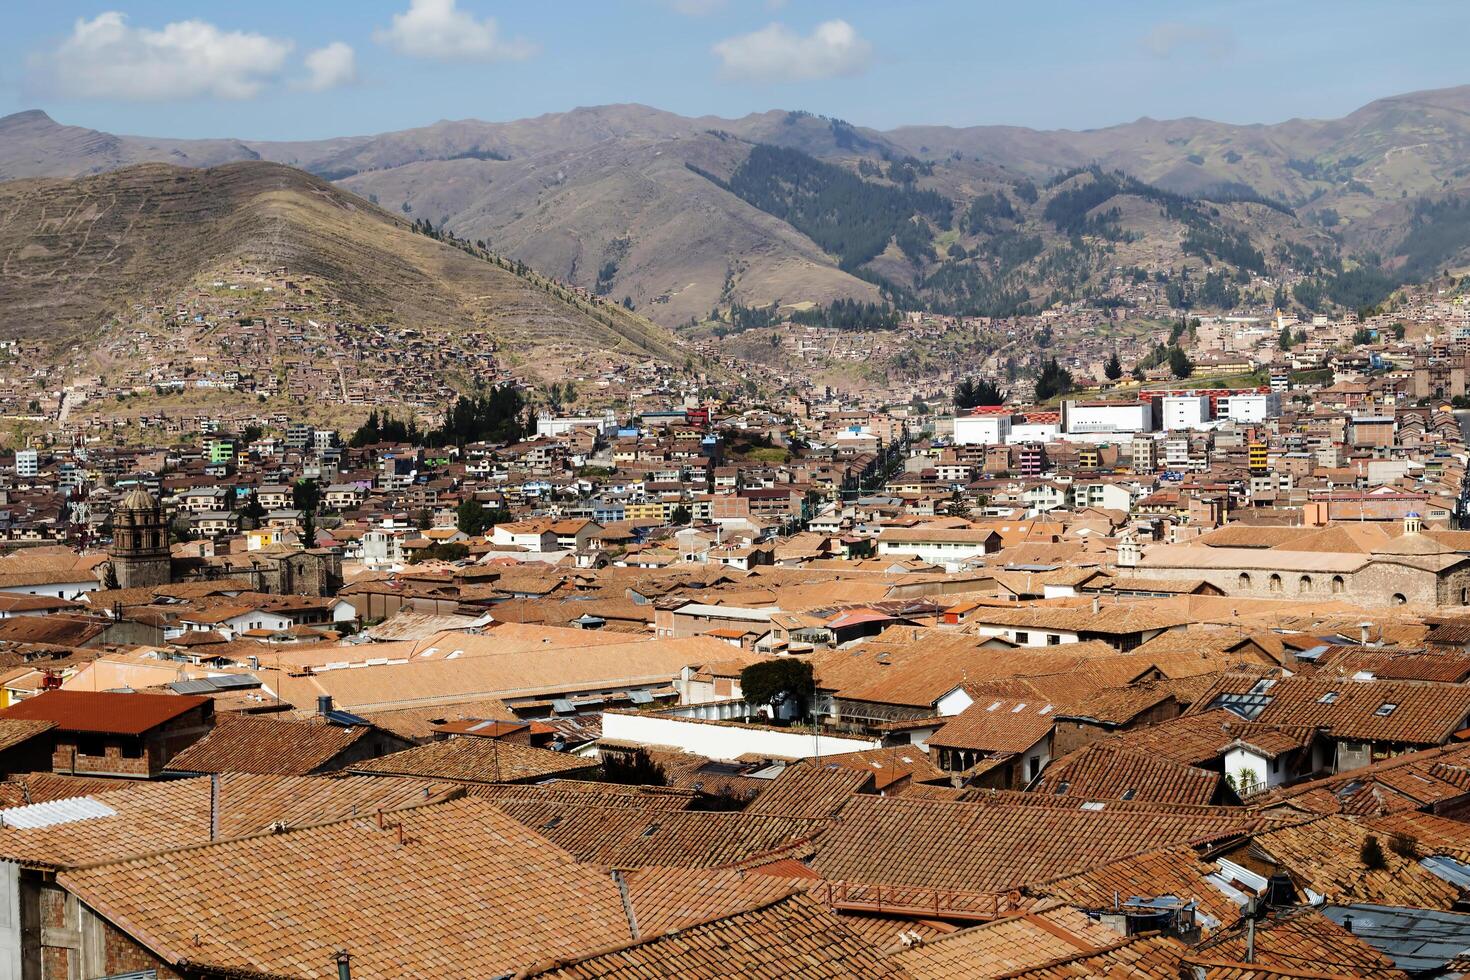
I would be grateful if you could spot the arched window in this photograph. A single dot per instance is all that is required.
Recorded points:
(1274, 582)
(1399, 599)
(1337, 583)
(1304, 584)
(1244, 582)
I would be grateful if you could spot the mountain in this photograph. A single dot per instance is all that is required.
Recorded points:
(78, 251)
(684, 215)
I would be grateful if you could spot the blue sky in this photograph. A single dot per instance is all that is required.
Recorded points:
(272, 69)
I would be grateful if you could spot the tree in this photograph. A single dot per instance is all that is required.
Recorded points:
(971, 393)
(680, 515)
(1113, 367)
(1054, 380)
(442, 551)
(1179, 363)
(1284, 342)
(306, 495)
(634, 769)
(474, 519)
(253, 510)
(778, 683)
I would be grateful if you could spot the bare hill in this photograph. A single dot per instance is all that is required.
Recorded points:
(77, 251)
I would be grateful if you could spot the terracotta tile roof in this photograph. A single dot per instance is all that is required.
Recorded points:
(664, 898)
(1140, 958)
(1324, 854)
(1101, 772)
(1002, 841)
(258, 743)
(1176, 870)
(890, 765)
(1016, 942)
(791, 939)
(151, 817)
(41, 787)
(476, 760)
(628, 835)
(995, 724)
(810, 789)
(104, 712)
(588, 793)
(14, 731)
(1389, 711)
(467, 893)
(1301, 940)
(1410, 781)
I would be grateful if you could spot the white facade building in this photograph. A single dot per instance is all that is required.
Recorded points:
(981, 430)
(27, 463)
(1250, 407)
(1106, 418)
(1184, 412)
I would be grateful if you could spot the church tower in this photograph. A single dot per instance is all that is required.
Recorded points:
(139, 550)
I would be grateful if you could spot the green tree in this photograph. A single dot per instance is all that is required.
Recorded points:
(252, 511)
(680, 516)
(1113, 367)
(1284, 342)
(1054, 380)
(1179, 363)
(779, 682)
(306, 495)
(635, 769)
(971, 393)
(474, 518)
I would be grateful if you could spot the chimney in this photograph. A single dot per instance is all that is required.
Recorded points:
(323, 704)
(344, 965)
(214, 806)
(1096, 605)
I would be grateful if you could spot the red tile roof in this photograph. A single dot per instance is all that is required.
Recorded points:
(104, 712)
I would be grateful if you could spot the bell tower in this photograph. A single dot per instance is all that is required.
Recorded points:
(140, 555)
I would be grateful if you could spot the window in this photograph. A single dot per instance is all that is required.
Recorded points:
(91, 746)
(1275, 582)
(1244, 581)
(1385, 709)
(1052, 639)
(1275, 765)
(1033, 767)
(1023, 637)
(1304, 584)
(1399, 599)
(1129, 793)
(1337, 583)
(132, 750)
(1329, 698)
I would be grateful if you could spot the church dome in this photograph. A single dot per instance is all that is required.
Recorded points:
(139, 499)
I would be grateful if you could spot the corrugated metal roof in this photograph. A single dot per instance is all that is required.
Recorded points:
(1417, 940)
(105, 712)
(55, 812)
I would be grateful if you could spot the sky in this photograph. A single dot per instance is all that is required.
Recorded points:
(300, 69)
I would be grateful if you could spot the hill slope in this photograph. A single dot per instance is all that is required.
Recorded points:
(618, 198)
(74, 252)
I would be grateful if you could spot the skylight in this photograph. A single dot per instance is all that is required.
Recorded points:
(1385, 709)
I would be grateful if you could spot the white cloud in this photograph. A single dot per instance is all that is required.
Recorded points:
(438, 29)
(775, 53)
(329, 67)
(1171, 37)
(105, 58)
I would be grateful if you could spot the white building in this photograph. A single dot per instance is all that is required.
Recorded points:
(981, 430)
(550, 426)
(1106, 418)
(1184, 412)
(1250, 406)
(1035, 432)
(27, 463)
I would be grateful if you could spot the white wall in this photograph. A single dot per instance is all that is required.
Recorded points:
(727, 741)
(1185, 411)
(981, 430)
(60, 590)
(1124, 417)
(1035, 637)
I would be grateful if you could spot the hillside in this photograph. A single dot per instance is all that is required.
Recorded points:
(634, 202)
(78, 251)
